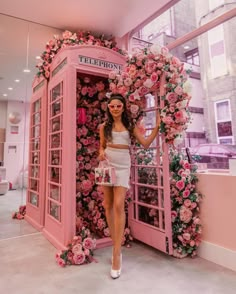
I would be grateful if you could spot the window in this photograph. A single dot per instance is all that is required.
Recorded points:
(192, 57)
(215, 3)
(223, 122)
(217, 51)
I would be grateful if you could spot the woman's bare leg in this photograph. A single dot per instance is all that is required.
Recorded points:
(108, 206)
(119, 224)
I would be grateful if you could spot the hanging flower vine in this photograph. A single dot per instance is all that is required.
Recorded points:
(147, 72)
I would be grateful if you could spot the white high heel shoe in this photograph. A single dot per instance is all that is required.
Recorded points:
(116, 273)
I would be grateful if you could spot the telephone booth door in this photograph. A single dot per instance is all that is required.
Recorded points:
(35, 203)
(61, 164)
(150, 210)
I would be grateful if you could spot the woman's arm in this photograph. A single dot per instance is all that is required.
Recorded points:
(146, 142)
(101, 155)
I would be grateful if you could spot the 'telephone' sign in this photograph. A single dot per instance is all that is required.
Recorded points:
(100, 63)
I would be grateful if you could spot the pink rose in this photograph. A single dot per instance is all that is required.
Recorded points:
(186, 236)
(172, 97)
(178, 90)
(61, 262)
(77, 249)
(185, 214)
(180, 185)
(79, 259)
(88, 243)
(187, 202)
(186, 193)
(192, 243)
(134, 108)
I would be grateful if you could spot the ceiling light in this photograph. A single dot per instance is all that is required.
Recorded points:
(17, 81)
(10, 88)
(38, 57)
(26, 70)
(186, 47)
(5, 95)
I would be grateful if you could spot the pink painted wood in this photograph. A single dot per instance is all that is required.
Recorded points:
(156, 231)
(60, 213)
(35, 203)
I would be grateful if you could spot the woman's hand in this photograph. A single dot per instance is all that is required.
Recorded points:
(102, 155)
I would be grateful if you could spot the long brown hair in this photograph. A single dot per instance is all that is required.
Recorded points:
(127, 122)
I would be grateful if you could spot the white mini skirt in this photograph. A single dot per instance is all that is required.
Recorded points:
(120, 160)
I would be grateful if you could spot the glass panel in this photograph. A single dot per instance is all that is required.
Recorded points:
(55, 210)
(56, 92)
(36, 144)
(56, 124)
(147, 175)
(54, 174)
(33, 199)
(35, 158)
(54, 192)
(148, 215)
(35, 171)
(36, 131)
(34, 185)
(55, 141)
(148, 195)
(36, 118)
(55, 157)
(36, 106)
(56, 108)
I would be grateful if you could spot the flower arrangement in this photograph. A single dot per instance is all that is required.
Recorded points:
(80, 250)
(91, 96)
(154, 70)
(20, 214)
(71, 39)
(186, 224)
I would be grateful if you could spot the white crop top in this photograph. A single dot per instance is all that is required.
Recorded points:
(121, 138)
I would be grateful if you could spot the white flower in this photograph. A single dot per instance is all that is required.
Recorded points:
(178, 140)
(148, 83)
(136, 95)
(187, 87)
(155, 49)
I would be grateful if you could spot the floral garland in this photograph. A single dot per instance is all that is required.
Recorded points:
(70, 39)
(20, 214)
(147, 71)
(186, 224)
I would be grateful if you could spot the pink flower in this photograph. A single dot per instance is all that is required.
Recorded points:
(186, 236)
(79, 259)
(180, 185)
(186, 193)
(134, 108)
(88, 243)
(185, 214)
(172, 97)
(61, 262)
(178, 90)
(77, 249)
(187, 202)
(86, 185)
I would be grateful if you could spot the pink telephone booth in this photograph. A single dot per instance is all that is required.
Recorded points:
(75, 71)
(35, 203)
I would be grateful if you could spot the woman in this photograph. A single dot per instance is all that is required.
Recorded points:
(115, 136)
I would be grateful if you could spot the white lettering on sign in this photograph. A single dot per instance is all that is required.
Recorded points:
(100, 63)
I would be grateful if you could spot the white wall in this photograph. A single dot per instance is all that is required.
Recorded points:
(16, 146)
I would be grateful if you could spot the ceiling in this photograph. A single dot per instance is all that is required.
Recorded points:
(26, 26)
